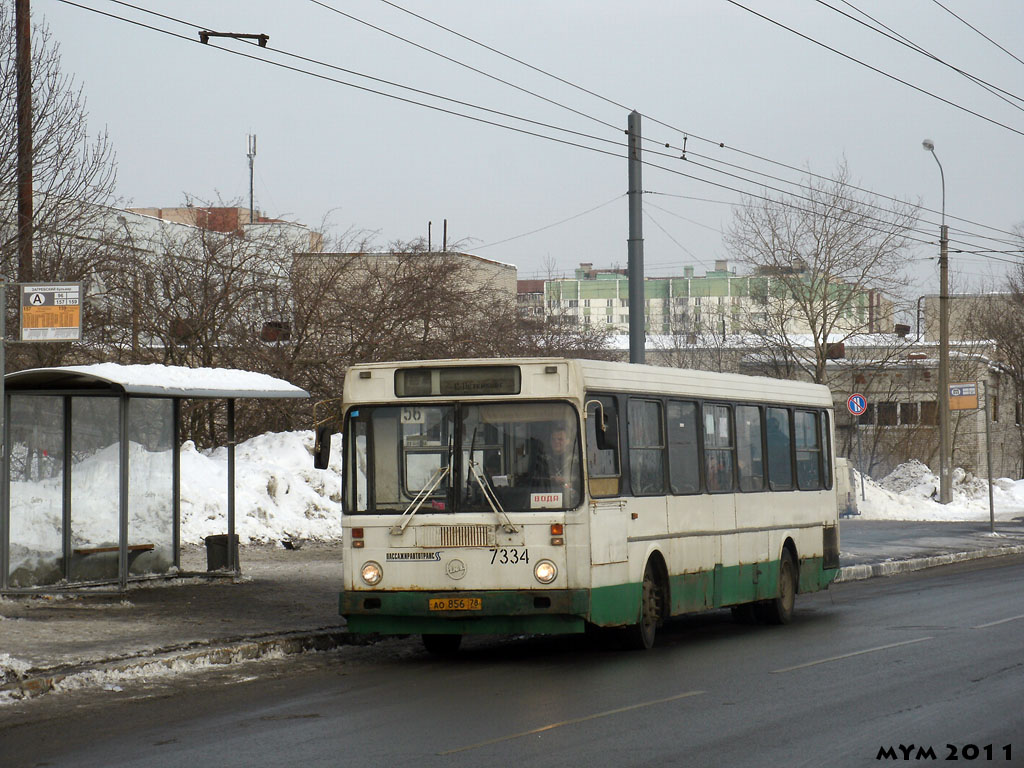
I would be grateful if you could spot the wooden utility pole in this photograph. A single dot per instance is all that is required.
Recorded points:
(23, 34)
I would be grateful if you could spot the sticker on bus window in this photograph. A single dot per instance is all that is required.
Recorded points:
(413, 415)
(545, 501)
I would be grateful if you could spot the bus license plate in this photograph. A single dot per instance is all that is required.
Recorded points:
(456, 604)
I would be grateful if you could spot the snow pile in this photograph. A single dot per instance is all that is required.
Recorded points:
(12, 669)
(278, 493)
(910, 491)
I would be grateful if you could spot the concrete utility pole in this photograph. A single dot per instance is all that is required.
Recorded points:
(23, 34)
(945, 448)
(635, 245)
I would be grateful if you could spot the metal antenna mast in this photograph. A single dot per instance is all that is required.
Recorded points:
(252, 156)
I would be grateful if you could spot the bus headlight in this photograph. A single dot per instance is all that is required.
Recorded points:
(371, 573)
(545, 571)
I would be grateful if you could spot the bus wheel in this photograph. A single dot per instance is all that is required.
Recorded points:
(442, 645)
(779, 610)
(640, 636)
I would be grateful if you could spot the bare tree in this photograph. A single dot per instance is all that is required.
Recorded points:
(819, 255)
(72, 171)
(73, 179)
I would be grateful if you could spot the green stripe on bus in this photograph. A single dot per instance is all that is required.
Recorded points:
(564, 611)
(691, 592)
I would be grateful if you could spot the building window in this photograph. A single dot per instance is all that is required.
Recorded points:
(929, 413)
(868, 417)
(909, 413)
(887, 414)
(995, 407)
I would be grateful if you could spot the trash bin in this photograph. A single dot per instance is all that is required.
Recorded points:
(217, 551)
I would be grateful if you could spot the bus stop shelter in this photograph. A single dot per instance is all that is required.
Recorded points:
(92, 473)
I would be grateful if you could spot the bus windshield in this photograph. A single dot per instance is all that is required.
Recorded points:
(525, 455)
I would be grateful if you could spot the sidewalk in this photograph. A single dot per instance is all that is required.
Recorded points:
(287, 601)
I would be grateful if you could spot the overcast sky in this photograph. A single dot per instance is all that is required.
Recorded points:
(179, 113)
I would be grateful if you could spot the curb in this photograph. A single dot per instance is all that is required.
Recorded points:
(165, 662)
(893, 567)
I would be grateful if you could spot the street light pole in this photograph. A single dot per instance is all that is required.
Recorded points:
(945, 452)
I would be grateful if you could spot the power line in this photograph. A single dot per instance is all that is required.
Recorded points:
(462, 64)
(906, 42)
(882, 72)
(667, 234)
(958, 18)
(459, 114)
(549, 226)
(658, 122)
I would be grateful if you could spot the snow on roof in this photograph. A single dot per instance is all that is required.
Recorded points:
(164, 380)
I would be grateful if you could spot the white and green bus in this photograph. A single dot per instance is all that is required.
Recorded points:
(544, 495)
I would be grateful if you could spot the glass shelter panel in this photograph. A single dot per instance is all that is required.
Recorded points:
(37, 490)
(150, 485)
(95, 487)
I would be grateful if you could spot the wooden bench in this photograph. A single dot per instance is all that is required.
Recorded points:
(134, 550)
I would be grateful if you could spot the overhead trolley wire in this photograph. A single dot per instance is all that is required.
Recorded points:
(882, 72)
(664, 124)
(918, 49)
(967, 23)
(440, 109)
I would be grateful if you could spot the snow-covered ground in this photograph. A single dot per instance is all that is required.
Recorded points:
(909, 493)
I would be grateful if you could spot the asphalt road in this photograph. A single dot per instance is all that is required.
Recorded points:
(929, 659)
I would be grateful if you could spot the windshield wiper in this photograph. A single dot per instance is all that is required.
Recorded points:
(414, 506)
(492, 500)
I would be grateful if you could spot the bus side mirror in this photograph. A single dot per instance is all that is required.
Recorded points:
(322, 447)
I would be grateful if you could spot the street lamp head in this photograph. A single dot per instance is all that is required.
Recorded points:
(929, 145)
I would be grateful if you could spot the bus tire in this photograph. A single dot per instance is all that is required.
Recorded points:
(640, 636)
(779, 610)
(442, 645)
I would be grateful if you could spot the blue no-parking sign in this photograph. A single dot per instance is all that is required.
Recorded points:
(857, 404)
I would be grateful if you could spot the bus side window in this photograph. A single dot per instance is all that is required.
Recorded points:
(749, 460)
(683, 452)
(719, 447)
(603, 467)
(826, 450)
(808, 451)
(646, 448)
(780, 457)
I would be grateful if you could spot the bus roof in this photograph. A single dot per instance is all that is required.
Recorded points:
(599, 375)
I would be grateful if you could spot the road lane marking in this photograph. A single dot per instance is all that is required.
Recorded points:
(854, 653)
(1001, 621)
(574, 721)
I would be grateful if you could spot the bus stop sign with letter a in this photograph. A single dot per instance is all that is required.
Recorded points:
(51, 311)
